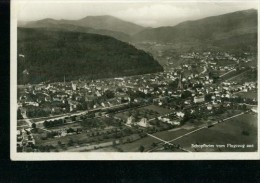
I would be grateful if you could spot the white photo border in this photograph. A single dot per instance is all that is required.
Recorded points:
(22, 156)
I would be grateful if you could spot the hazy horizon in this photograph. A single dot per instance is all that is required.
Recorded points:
(148, 14)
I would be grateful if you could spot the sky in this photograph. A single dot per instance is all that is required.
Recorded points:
(150, 14)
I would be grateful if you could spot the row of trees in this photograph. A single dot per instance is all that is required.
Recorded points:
(240, 100)
(38, 112)
(49, 124)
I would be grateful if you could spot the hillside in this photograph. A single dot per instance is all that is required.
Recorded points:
(74, 28)
(213, 30)
(105, 22)
(110, 23)
(51, 55)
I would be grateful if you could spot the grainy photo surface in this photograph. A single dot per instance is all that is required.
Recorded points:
(134, 80)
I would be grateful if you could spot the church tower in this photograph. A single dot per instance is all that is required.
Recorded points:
(180, 85)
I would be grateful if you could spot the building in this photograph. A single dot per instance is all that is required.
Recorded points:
(254, 109)
(180, 114)
(143, 123)
(209, 107)
(129, 120)
(74, 86)
(180, 85)
(199, 99)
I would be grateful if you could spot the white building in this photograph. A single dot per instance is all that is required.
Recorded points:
(254, 109)
(143, 123)
(180, 114)
(199, 99)
(129, 121)
(74, 86)
(209, 107)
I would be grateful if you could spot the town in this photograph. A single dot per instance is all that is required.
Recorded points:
(141, 113)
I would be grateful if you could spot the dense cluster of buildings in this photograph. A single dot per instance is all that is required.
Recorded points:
(192, 83)
(64, 97)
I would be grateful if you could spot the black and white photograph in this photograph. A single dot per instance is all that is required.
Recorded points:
(134, 80)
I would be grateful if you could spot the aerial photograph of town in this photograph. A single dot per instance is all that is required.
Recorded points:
(137, 77)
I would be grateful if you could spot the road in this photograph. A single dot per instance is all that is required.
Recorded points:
(166, 142)
(205, 69)
(237, 75)
(226, 73)
(194, 131)
(28, 121)
(73, 114)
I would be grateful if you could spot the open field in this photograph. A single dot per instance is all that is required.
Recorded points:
(22, 127)
(238, 130)
(249, 94)
(169, 135)
(134, 146)
(250, 76)
(219, 72)
(233, 75)
(148, 141)
(230, 131)
(237, 76)
(21, 122)
(106, 149)
(160, 110)
(91, 147)
(225, 62)
(156, 110)
(54, 141)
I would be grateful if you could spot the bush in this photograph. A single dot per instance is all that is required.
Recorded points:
(71, 142)
(141, 148)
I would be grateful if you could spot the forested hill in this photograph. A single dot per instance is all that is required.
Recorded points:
(51, 55)
(74, 28)
(231, 30)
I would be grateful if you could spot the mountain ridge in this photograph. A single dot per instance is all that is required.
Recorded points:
(208, 29)
(105, 22)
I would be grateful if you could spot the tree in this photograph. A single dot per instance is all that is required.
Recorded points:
(129, 113)
(173, 84)
(157, 122)
(114, 143)
(19, 114)
(70, 130)
(73, 118)
(71, 142)
(208, 97)
(128, 140)
(109, 94)
(141, 148)
(46, 124)
(186, 94)
(34, 126)
(154, 144)
(59, 143)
